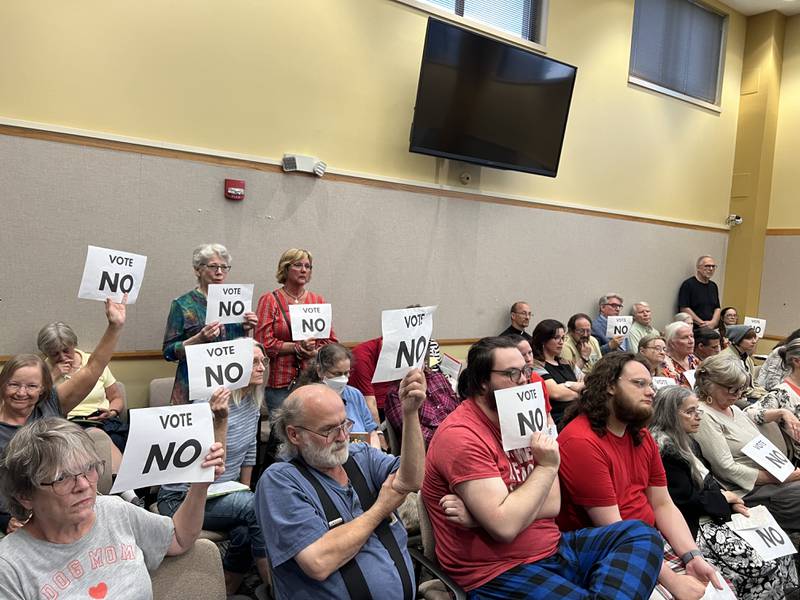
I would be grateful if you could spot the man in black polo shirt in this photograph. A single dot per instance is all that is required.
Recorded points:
(520, 318)
(699, 296)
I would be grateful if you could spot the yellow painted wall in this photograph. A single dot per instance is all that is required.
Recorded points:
(784, 206)
(337, 79)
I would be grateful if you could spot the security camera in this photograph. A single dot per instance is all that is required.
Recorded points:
(306, 164)
(734, 220)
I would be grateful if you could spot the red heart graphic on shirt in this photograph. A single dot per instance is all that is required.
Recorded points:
(99, 591)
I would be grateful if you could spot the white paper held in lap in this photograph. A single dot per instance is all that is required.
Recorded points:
(713, 593)
(691, 377)
(310, 321)
(227, 302)
(769, 540)
(406, 334)
(758, 325)
(219, 364)
(166, 444)
(521, 412)
(618, 326)
(110, 274)
(661, 382)
(766, 454)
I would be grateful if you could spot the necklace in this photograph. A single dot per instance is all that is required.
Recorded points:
(292, 296)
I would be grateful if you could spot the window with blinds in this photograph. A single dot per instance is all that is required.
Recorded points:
(521, 18)
(678, 45)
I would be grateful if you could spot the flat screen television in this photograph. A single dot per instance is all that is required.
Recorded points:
(483, 101)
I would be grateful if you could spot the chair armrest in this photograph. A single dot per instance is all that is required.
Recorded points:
(419, 557)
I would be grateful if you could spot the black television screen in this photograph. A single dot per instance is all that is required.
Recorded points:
(490, 103)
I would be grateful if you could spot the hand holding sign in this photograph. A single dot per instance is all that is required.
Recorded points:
(228, 302)
(412, 391)
(406, 334)
(545, 450)
(110, 274)
(167, 445)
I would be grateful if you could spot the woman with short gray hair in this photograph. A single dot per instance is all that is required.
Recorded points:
(707, 506)
(103, 405)
(50, 471)
(186, 323)
(680, 356)
(725, 430)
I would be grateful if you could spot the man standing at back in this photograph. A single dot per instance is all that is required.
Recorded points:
(699, 296)
(520, 318)
(510, 546)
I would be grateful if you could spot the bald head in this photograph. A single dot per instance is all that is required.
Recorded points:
(314, 407)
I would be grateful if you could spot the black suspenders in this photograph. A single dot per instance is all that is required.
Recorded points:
(350, 571)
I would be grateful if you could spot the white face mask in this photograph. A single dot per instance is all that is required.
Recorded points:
(336, 383)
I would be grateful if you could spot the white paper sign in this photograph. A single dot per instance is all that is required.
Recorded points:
(521, 412)
(219, 364)
(450, 366)
(766, 454)
(227, 302)
(110, 274)
(690, 377)
(769, 541)
(757, 517)
(310, 321)
(618, 326)
(759, 325)
(713, 593)
(166, 444)
(406, 334)
(662, 382)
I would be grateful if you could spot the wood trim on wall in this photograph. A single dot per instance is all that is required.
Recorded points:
(208, 158)
(784, 231)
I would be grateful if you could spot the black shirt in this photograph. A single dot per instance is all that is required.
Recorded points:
(702, 298)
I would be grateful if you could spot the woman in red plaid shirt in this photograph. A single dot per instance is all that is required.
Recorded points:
(274, 331)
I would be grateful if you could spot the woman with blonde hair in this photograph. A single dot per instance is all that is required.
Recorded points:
(725, 430)
(289, 358)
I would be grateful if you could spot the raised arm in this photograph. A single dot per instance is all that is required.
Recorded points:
(412, 458)
(505, 514)
(74, 390)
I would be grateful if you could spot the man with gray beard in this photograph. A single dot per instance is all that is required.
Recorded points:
(327, 512)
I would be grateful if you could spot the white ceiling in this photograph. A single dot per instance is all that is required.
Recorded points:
(755, 7)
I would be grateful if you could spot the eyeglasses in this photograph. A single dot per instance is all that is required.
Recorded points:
(615, 306)
(659, 349)
(301, 265)
(583, 331)
(693, 412)
(524, 314)
(515, 374)
(559, 338)
(708, 266)
(737, 391)
(223, 268)
(13, 387)
(331, 434)
(641, 383)
(65, 482)
(264, 362)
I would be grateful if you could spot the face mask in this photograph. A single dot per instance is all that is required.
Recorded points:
(336, 383)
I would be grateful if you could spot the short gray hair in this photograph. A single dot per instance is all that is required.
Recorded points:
(723, 369)
(288, 413)
(56, 337)
(671, 331)
(681, 316)
(699, 259)
(789, 352)
(649, 338)
(205, 252)
(37, 453)
(604, 299)
(639, 303)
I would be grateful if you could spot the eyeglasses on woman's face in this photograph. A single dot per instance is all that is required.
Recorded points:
(65, 483)
(217, 267)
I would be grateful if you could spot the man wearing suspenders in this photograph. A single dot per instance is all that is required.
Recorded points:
(327, 513)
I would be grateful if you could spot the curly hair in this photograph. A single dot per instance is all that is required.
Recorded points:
(594, 401)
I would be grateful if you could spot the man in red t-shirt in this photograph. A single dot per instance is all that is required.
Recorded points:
(606, 437)
(493, 512)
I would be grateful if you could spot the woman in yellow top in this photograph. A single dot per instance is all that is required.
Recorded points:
(103, 405)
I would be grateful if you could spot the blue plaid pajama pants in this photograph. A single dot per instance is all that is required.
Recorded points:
(618, 561)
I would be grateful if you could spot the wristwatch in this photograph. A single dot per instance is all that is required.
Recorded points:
(685, 558)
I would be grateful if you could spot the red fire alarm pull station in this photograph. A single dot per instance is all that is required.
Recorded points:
(234, 189)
